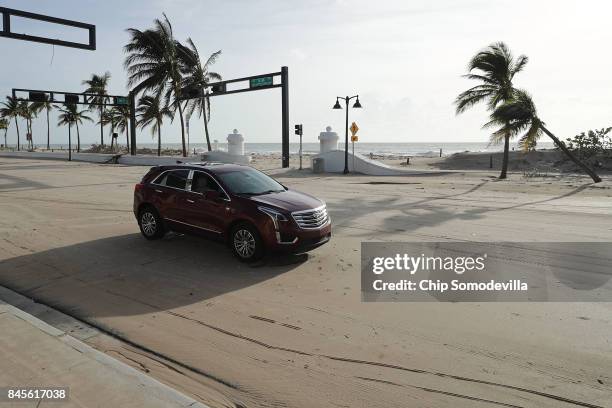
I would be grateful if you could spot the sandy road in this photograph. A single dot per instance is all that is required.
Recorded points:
(292, 331)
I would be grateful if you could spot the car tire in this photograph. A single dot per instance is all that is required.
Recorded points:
(246, 243)
(151, 224)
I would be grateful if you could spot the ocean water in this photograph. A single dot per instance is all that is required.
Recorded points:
(381, 149)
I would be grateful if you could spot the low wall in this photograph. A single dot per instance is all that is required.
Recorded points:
(139, 160)
(334, 163)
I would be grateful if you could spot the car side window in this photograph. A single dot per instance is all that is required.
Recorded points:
(203, 182)
(174, 179)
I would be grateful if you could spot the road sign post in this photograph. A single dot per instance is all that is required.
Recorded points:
(354, 138)
(300, 131)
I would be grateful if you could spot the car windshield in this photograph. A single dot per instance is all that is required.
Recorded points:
(250, 181)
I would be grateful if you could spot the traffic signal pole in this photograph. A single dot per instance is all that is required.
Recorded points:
(285, 115)
(132, 102)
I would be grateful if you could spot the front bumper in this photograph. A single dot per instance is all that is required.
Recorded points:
(296, 240)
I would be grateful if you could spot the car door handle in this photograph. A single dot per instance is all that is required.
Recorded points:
(190, 201)
(158, 191)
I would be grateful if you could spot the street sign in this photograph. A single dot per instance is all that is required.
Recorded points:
(121, 100)
(261, 81)
(354, 139)
(354, 128)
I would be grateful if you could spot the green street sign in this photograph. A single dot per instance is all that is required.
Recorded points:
(121, 100)
(261, 81)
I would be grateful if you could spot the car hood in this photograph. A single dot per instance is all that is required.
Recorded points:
(289, 200)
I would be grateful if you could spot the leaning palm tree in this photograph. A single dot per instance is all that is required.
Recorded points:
(4, 125)
(196, 79)
(151, 113)
(153, 65)
(97, 85)
(66, 117)
(519, 115)
(496, 69)
(120, 119)
(47, 106)
(12, 109)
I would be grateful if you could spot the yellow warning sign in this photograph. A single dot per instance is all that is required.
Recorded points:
(354, 139)
(354, 128)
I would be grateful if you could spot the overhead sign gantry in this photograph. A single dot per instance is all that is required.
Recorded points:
(255, 83)
(8, 32)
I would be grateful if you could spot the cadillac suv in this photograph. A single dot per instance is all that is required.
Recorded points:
(239, 205)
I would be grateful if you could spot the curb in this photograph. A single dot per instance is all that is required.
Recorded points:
(69, 332)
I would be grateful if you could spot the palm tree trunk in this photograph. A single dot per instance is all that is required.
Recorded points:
(504, 169)
(5, 131)
(102, 130)
(180, 108)
(48, 131)
(127, 138)
(69, 143)
(206, 127)
(78, 138)
(17, 125)
(158, 139)
(569, 154)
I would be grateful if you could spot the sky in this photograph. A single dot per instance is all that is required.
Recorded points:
(404, 58)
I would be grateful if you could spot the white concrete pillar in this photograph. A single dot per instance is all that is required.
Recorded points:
(328, 140)
(215, 145)
(235, 143)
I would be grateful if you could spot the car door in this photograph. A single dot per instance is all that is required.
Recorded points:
(170, 189)
(208, 214)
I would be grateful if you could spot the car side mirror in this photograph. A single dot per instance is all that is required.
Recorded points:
(212, 195)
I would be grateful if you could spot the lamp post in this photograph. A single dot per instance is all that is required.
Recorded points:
(337, 106)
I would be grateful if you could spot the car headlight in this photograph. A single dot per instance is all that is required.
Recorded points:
(274, 214)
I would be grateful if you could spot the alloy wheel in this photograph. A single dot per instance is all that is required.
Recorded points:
(148, 223)
(244, 243)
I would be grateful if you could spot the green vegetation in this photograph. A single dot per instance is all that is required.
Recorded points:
(47, 106)
(98, 84)
(594, 142)
(12, 109)
(496, 69)
(519, 116)
(159, 65)
(4, 125)
(151, 113)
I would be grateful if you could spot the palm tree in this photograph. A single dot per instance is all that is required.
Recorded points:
(497, 68)
(97, 84)
(107, 119)
(78, 118)
(151, 112)
(12, 109)
(519, 115)
(29, 113)
(120, 119)
(196, 78)
(4, 124)
(153, 65)
(47, 106)
(66, 117)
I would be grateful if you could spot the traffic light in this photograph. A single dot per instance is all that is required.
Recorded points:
(219, 88)
(298, 130)
(71, 98)
(38, 97)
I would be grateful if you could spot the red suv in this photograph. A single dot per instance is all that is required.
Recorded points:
(242, 206)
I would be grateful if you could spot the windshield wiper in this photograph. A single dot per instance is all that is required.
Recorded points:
(260, 192)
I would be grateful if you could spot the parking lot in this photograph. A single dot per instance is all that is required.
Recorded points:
(292, 330)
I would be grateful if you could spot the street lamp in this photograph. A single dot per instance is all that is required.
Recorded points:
(337, 106)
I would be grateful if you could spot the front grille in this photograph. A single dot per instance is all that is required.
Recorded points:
(311, 219)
